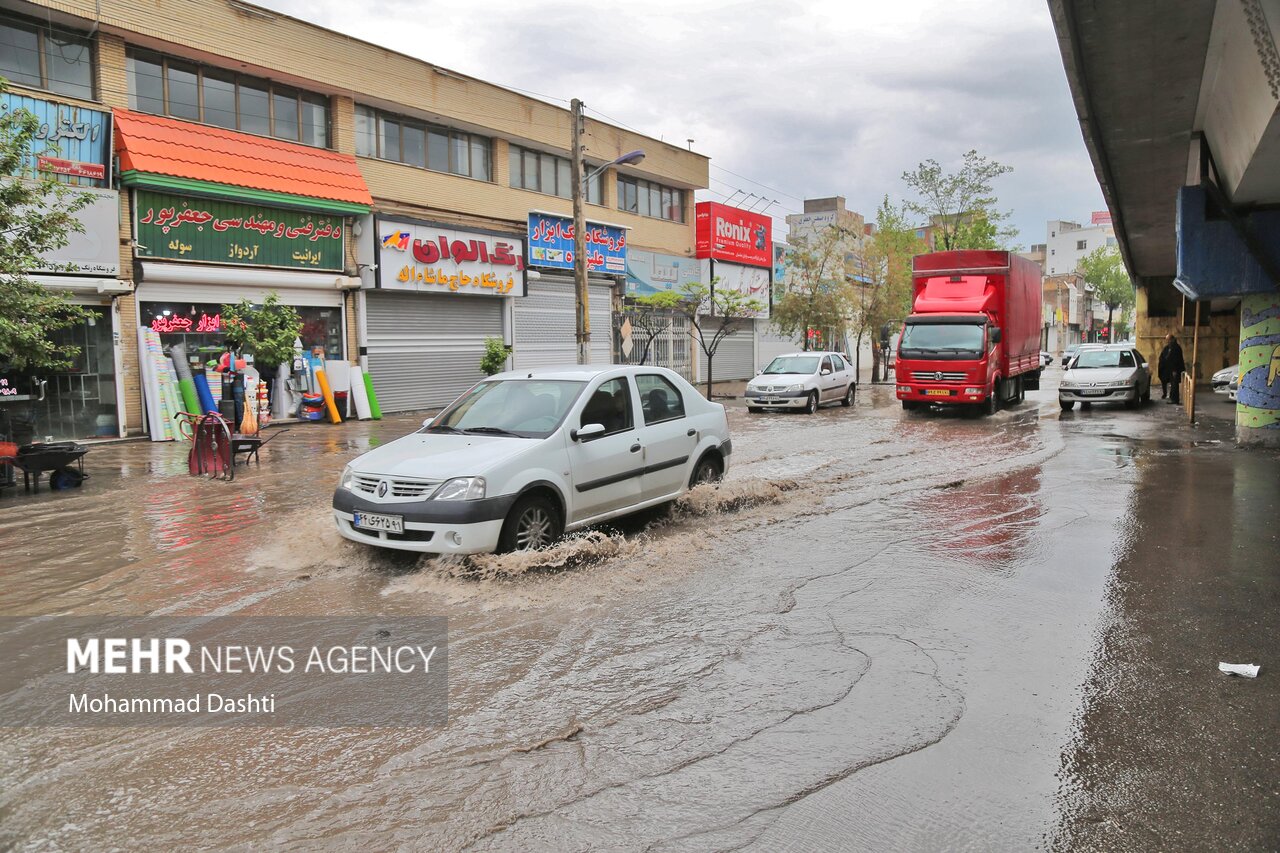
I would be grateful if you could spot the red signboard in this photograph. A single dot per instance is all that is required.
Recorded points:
(732, 234)
(59, 166)
(1101, 217)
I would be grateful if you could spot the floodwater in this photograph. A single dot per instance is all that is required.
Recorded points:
(883, 631)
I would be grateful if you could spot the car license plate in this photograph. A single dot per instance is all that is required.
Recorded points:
(373, 521)
(1091, 392)
(937, 392)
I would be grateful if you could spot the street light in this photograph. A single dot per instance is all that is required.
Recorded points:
(580, 230)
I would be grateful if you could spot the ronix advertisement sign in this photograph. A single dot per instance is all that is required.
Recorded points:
(429, 258)
(732, 234)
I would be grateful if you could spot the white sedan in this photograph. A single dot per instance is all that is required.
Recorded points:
(525, 456)
(1105, 373)
(802, 380)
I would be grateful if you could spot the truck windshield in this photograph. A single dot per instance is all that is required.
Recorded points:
(942, 338)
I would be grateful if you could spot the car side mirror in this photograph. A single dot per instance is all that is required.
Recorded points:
(1144, 365)
(587, 432)
(826, 371)
(427, 422)
(995, 335)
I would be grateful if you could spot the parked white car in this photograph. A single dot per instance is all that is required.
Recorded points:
(802, 380)
(525, 456)
(1105, 373)
(1222, 380)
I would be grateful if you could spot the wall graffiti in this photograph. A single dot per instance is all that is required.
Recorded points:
(1258, 401)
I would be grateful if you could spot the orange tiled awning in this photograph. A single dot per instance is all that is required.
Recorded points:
(164, 153)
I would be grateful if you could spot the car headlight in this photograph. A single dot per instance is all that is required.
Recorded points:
(796, 387)
(345, 481)
(460, 489)
(1068, 385)
(1124, 384)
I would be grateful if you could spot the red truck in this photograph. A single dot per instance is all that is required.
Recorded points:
(973, 336)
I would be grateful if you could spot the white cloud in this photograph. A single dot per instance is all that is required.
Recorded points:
(836, 97)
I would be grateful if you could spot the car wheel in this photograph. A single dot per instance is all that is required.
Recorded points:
(708, 470)
(1084, 405)
(812, 405)
(755, 410)
(848, 398)
(1067, 405)
(1146, 395)
(533, 523)
(1131, 404)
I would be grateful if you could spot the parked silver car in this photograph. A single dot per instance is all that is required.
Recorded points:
(1105, 373)
(802, 380)
(1223, 378)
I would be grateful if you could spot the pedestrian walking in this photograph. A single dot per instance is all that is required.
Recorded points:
(1171, 367)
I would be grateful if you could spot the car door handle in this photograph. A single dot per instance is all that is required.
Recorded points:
(635, 448)
(692, 432)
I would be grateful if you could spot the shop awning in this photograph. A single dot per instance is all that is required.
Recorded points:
(177, 156)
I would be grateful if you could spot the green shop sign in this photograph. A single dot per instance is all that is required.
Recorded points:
(226, 232)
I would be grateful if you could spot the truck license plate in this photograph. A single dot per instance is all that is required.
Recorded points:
(937, 392)
(373, 521)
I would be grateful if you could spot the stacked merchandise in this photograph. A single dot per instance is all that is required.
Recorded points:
(161, 396)
(186, 384)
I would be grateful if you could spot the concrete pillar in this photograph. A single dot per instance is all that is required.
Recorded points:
(1258, 401)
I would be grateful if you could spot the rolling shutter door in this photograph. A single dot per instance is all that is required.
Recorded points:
(735, 357)
(423, 351)
(546, 331)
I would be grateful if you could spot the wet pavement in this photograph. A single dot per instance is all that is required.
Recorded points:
(885, 631)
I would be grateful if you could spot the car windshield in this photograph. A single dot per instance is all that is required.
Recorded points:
(942, 337)
(1103, 358)
(523, 408)
(792, 364)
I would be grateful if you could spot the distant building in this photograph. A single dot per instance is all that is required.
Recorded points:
(1067, 242)
(822, 214)
(1036, 255)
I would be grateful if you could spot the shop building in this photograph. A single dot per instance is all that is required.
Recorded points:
(434, 149)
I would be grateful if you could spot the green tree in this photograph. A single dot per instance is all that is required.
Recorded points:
(495, 356)
(961, 205)
(267, 330)
(649, 321)
(730, 310)
(818, 292)
(1104, 271)
(885, 295)
(37, 215)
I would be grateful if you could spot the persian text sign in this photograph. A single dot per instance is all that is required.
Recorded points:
(551, 244)
(228, 232)
(732, 234)
(78, 137)
(430, 258)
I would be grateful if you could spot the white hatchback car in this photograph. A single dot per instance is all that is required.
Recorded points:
(526, 455)
(802, 380)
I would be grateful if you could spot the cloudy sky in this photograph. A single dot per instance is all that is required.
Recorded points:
(790, 100)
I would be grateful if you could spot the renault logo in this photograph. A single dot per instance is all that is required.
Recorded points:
(937, 377)
(382, 489)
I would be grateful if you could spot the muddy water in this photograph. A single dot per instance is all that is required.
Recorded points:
(873, 635)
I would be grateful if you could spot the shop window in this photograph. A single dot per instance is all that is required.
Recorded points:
(415, 143)
(649, 199)
(46, 57)
(166, 86)
(199, 327)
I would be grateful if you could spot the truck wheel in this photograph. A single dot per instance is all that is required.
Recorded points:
(910, 405)
(993, 399)
(1067, 405)
(533, 523)
(812, 405)
(847, 401)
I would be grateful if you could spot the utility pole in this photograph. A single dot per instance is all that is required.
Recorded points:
(580, 240)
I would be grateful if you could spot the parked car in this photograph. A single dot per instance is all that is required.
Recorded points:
(1233, 388)
(1105, 373)
(1069, 353)
(1222, 379)
(1046, 358)
(802, 380)
(524, 456)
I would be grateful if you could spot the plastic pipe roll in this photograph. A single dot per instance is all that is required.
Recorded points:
(374, 411)
(328, 396)
(204, 394)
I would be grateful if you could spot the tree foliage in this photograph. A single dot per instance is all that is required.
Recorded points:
(37, 215)
(702, 304)
(267, 330)
(1104, 271)
(961, 205)
(495, 356)
(650, 321)
(885, 297)
(818, 292)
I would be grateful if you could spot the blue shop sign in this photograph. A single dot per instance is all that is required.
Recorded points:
(551, 244)
(651, 272)
(72, 141)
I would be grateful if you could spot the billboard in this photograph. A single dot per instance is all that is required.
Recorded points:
(71, 141)
(428, 258)
(752, 282)
(95, 250)
(652, 272)
(551, 244)
(732, 234)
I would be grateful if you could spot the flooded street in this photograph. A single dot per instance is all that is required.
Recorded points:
(883, 631)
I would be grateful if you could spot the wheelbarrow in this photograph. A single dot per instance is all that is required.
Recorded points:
(63, 460)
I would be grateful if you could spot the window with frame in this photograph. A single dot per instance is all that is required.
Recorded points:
(546, 173)
(418, 143)
(609, 406)
(1081, 245)
(649, 199)
(659, 399)
(46, 57)
(164, 85)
